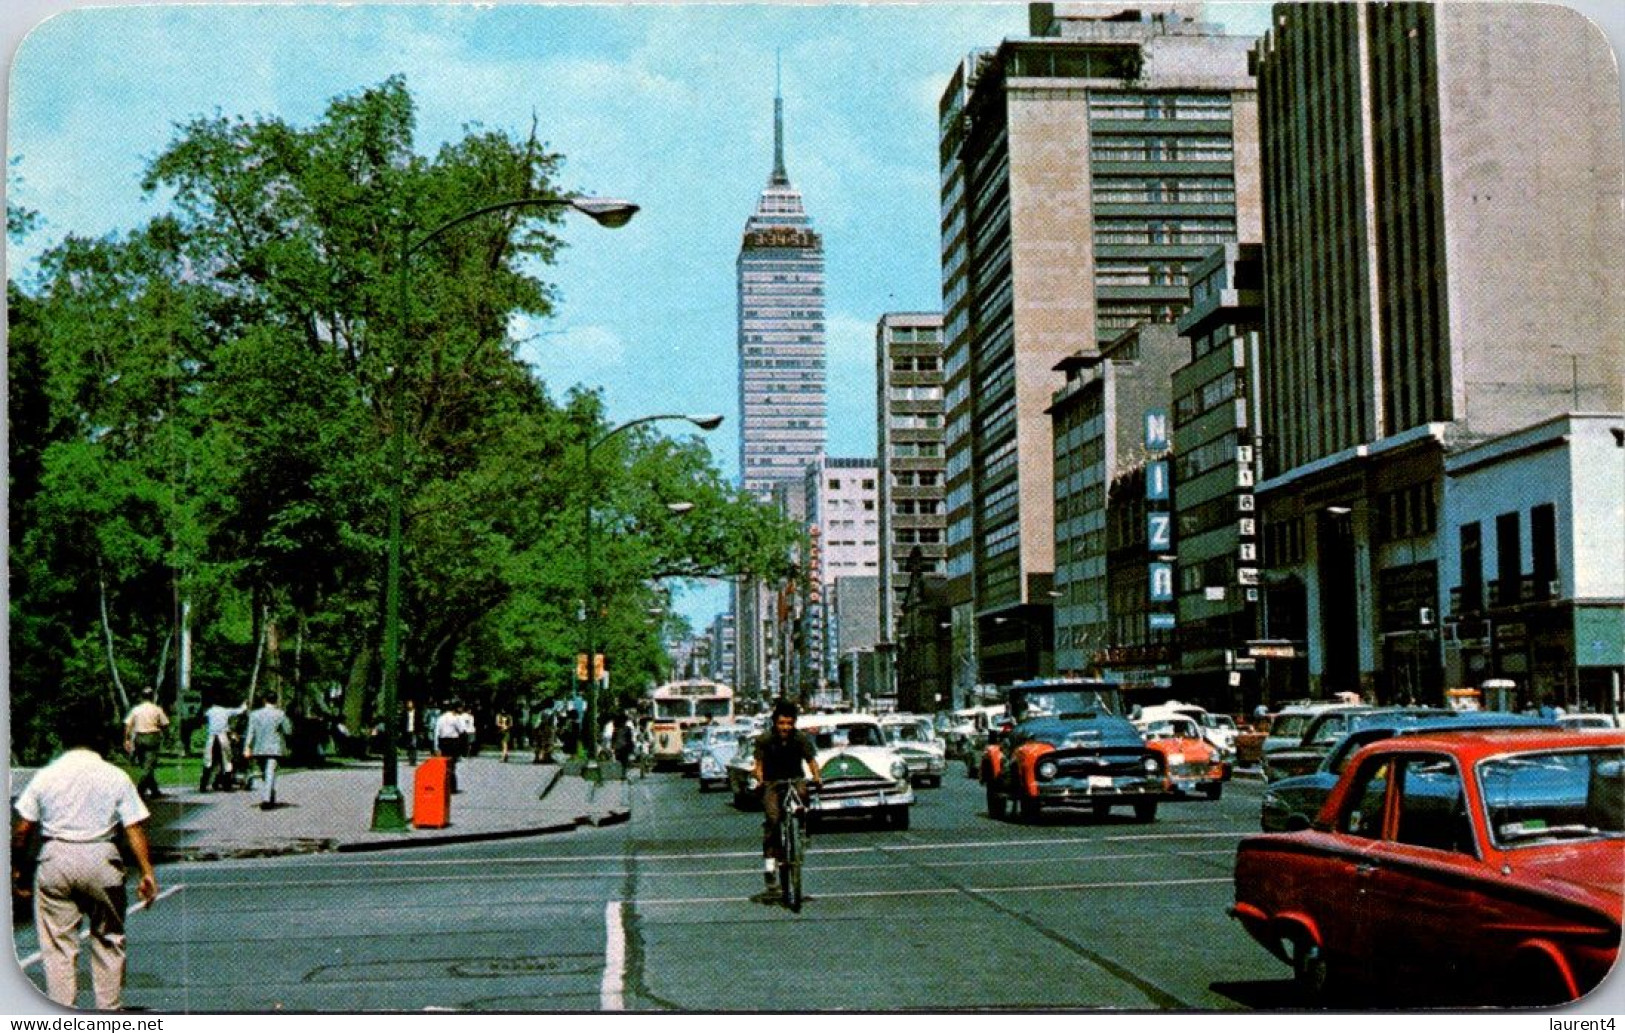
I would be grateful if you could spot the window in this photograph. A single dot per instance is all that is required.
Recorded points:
(1472, 567)
(1432, 807)
(1362, 809)
(1508, 564)
(1543, 546)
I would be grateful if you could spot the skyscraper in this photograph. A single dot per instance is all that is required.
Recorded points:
(781, 373)
(1084, 170)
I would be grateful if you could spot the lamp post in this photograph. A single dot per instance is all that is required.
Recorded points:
(388, 809)
(589, 607)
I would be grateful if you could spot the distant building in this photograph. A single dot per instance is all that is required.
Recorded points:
(843, 502)
(1216, 426)
(781, 379)
(1084, 170)
(1444, 239)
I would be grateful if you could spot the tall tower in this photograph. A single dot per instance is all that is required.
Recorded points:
(781, 333)
(781, 375)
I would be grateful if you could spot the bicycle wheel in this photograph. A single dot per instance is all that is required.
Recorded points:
(790, 868)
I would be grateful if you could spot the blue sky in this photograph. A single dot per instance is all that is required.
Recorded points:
(669, 105)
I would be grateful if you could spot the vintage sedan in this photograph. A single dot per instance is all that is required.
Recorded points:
(915, 738)
(1292, 803)
(1070, 746)
(1329, 727)
(863, 776)
(1190, 764)
(717, 746)
(1467, 868)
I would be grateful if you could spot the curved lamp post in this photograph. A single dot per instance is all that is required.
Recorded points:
(590, 723)
(388, 810)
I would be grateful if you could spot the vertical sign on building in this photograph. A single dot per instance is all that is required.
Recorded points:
(1159, 522)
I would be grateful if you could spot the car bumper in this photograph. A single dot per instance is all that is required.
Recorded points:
(838, 803)
(1101, 787)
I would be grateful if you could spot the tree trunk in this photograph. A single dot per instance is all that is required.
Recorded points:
(355, 690)
(121, 699)
(261, 616)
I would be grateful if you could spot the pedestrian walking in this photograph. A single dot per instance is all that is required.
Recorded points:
(410, 730)
(218, 769)
(77, 804)
(143, 739)
(621, 741)
(471, 737)
(266, 743)
(504, 732)
(448, 742)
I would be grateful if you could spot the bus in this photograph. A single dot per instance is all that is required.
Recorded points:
(680, 705)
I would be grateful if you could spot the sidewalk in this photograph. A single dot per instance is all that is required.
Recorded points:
(330, 809)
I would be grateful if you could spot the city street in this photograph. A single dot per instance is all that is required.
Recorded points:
(957, 912)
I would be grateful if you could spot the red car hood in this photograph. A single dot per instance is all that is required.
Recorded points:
(1593, 872)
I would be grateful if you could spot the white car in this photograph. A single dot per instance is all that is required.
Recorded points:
(717, 747)
(916, 739)
(1219, 730)
(863, 775)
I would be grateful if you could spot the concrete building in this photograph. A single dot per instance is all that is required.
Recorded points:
(1444, 240)
(1110, 423)
(913, 515)
(782, 403)
(843, 516)
(723, 654)
(1533, 568)
(1083, 170)
(1216, 422)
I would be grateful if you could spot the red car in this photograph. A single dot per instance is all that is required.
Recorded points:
(1461, 867)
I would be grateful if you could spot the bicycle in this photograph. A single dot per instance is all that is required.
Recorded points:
(792, 842)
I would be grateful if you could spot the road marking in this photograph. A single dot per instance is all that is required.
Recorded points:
(84, 934)
(609, 991)
(944, 891)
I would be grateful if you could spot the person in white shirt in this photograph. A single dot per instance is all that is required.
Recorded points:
(448, 741)
(217, 751)
(78, 803)
(266, 742)
(465, 723)
(143, 738)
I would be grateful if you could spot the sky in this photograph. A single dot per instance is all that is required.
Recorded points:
(668, 105)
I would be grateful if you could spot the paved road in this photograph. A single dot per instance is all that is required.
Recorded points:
(958, 912)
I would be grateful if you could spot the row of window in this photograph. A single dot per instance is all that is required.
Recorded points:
(1161, 148)
(917, 507)
(915, 478)
(1210, 395)
(1128, 190)
(1194, 106)
(1114, 231)
(915, 364)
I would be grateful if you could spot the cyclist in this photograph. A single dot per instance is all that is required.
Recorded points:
(780, 752)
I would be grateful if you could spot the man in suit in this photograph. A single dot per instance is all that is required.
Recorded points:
(266, 742)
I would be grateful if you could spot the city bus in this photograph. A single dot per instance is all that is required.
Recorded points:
(680, 705)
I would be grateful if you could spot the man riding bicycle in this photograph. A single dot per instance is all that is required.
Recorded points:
(780, 752)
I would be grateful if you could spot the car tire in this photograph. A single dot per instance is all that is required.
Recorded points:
(1145, 813)
(1100, 809)
(996, 804)
(1031, 809)
(899, 819)
(1310, 973)
(1213, 790)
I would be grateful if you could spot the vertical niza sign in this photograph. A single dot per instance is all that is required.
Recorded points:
(1159, 525)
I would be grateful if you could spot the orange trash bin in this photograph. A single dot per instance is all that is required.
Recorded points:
(431, 803)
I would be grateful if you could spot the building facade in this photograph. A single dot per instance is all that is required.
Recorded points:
(1216, 424)
(1443, 234)
(782, 379)
(843, 516)
(1084, 169)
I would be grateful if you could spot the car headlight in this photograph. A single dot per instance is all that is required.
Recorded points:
(1150, 765)
(1047, 770)
(899, 770)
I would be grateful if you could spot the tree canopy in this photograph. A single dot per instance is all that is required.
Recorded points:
(201, 415)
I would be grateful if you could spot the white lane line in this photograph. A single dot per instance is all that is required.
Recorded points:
(610, 990)
(944, 891)
(84, 934)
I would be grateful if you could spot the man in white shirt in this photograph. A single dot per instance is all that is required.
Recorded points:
(266, 742)
(448, 740)
(143, 738)
(217, 751)
(78, 803)
(471, 738)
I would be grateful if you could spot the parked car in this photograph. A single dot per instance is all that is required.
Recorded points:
(1288, 725)
(1191, 765)
(863, 776)
(1589, 722)
(1071, 746)
(1292, 803)
(915, 738)
(1468, 868)
(717, 745)
(1326, 729)
(1218, 729)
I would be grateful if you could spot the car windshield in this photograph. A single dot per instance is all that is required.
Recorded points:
(1290, 726)
(905, 733)
(1568, 794)
(1171, 728)
(1224, 721)
(1062, 703)
(848, 735)
(716, 737)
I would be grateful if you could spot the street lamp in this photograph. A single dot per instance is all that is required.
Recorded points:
(388, 809)
(708, 421)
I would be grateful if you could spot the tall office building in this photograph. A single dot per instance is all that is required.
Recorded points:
(1083, 170)
(781, 375)
(1443, 239)
(908, 409)
(844, 520)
